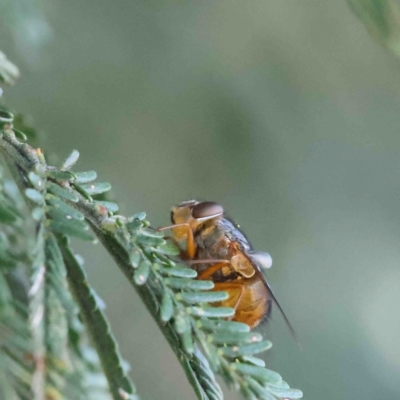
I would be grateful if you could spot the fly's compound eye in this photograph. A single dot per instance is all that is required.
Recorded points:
(207, 210)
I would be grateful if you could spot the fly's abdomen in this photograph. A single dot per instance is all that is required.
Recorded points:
(249, 298)
(255, 303)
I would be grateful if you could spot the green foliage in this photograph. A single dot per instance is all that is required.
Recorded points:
(91, 311)
(8, 71)
(16, 364)
(382, 20)
(45, 351)
(45, 323)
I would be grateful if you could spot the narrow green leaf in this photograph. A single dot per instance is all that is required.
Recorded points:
(7, 260)
(63, 207)
(181, 323)
(96, 188)
(62, 192)
(6, 215)
(100, 304)
(134, 225)
(142, 272)
(6, 119)
(205, 375)
(202, 297)
(179, 272)
(99, 328)
(21, 124)
(169, 249)
(61, 175)
(37, 213)
(382, 20)
(5, 297)
(288, 393)
(212, 396)
(236, 337)
(260, 390)
(211, 312)
(140, 216)
(248, 393)
(71, 160)
(70, 228)
(58, 214)
(254, 360)
(135, 256)
(34, 195)
(279, 386)
(78, 224)
(189, 284)
(149, 241)
(165, 260)
(12, 192)
(151, 233)
(83, 193)
(12, 207)
(263, 374)
(210, 386)
(36, 181)
(247, 349)
(167, 307)
(53, 253)
(111, 207)
(20, 135)
(8, 71)
(223, 326)
(85, 177)
(187, 341)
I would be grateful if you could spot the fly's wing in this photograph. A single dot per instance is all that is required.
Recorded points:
(260, 262)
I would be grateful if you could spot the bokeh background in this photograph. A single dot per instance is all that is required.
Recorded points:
(287, 113)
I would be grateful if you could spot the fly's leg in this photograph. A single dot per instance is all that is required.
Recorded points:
(223, 286)
(228, 287)
(206, 274)
(190, 245)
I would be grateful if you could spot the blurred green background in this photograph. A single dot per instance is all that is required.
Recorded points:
(287, 113)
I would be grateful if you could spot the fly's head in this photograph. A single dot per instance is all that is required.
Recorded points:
(196, 215)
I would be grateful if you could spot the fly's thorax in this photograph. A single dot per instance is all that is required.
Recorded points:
(233, 233)
(214, 243)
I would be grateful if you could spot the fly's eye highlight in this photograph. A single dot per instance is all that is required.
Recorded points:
(207, 210)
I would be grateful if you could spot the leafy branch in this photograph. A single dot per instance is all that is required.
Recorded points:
(8, 71)
(95, 321)
(381, 18)
(55, 329)
(65, 204)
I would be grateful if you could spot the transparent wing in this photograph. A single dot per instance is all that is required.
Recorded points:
(262, 261)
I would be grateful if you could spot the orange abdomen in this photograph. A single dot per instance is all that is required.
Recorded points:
(254, 302)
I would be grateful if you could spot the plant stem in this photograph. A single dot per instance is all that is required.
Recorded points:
(117, 251)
